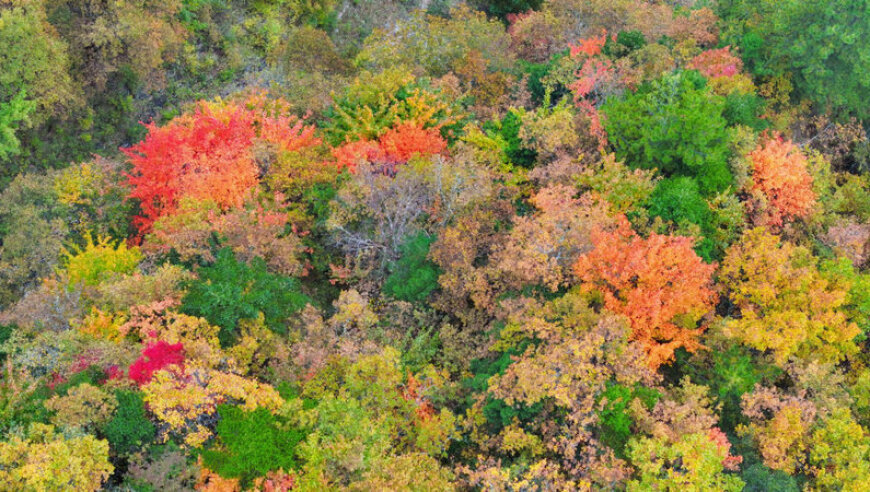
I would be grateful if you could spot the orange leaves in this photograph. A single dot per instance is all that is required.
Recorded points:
(396, 146)
(590, 46)
(207, 155)
(780, 175)
(406, 140)
(659, 283)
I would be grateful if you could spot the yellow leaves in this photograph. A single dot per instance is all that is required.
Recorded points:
(515, 440)
(839, 453)
(780, 440)
(98, 260)
(786, 306)
(181, 401)
(46, 460)
(103, 325)
(73, 184)
(83, 406)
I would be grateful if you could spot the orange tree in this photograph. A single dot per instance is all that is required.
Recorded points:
(658, 282)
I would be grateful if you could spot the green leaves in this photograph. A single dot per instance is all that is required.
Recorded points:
(675, 125)
(413, 277)
(12, 115)
(130, 428)
(251, 444)
(229, 291)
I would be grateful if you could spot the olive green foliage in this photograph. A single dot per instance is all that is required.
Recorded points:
(673, 124)
(502, 8)
(130, 428)
(251, 443)
(229, 291)
(625, 43)
(760, 478)
(413, 277)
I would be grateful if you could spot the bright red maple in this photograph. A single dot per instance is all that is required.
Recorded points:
(155, 357)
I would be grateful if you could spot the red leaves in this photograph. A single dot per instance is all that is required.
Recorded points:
(396, 146)
(590, 46)
(654, 282)
(406, 140)
(155, 357)
(206, 155)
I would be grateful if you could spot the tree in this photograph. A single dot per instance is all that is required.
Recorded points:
(251, 443)
(673, 124)
(542, 246)
(129, 428)
(816, 42)
(437, 44)
(12, 115)
(413, 277)
(208, 154)
(230, 290)
(659, 283)
(787, 307)
(106, 38)
(99, 261)
(43, 459)
(692, 463)
(35, 62)
(780, 175)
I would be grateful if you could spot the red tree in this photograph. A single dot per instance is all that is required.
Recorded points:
(155, 357)
(780, 174)
(207, 154)
(396, 146)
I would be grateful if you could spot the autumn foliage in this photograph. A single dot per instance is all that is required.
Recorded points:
(780, 175)
(659, 283)
(155, 357)
(207, 154)
(396, 146)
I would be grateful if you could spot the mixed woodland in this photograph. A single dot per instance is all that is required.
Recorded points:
(432, 245)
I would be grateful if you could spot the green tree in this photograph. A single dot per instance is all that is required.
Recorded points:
(251, 444)
(130, 428)
(413, 277)
(821, 44)
(673, 124)
(230, 290)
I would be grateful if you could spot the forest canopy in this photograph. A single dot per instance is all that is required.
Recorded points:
(494, 245)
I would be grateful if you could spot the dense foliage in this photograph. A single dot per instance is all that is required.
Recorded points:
(496, 245)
